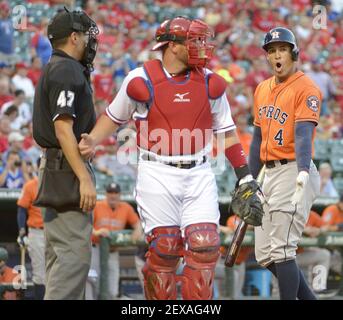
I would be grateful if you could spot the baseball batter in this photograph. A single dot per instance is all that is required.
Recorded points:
(177, 104)
(286, 108)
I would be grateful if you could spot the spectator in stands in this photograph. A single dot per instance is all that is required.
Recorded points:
(24, 109)
(13, 115)
(21, 81)
(14, 173)
(333, 216)
(324, 131)
(325, 83)
(112, 214)
(7, 276)
(104, 86)
(6, 33)
(108, 162)
(5, 129)
(5, 94)
(119, 63)
(5, 69)
(337, 119)
(35, 70)
(40, 44)
(34, 152)
(313, 259)
(15, 141)
(327, 188)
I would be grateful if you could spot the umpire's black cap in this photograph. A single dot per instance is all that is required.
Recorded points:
(113, 188)
(65, 22)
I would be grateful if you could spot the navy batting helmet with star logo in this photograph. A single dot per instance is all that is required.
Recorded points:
(281, 34)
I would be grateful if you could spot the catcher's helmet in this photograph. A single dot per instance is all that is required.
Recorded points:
(280, 34)
(193, 33)
(3, 254)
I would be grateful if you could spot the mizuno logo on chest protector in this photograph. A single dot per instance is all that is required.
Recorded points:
(179, 97)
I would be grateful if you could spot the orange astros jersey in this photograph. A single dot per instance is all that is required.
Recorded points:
(332, 215)
(26, 199)
(277, 107)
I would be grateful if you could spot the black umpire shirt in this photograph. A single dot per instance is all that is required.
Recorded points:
(63, 88)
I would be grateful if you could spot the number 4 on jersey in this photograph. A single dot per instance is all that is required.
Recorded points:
(278, 137)
(65, 99)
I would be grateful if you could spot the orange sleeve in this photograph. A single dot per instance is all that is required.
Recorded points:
(10, 274)
(95, 213)
(8, 277)
(315, 220)
(232, 222)
(256, 96)
(308, 105)
(132, 216)
(329, 215)
(25, 198)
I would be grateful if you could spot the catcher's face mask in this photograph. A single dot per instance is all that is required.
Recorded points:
(199, 50)
(192, 33)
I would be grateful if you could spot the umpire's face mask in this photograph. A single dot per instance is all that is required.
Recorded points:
(91, 31)
(90, 51)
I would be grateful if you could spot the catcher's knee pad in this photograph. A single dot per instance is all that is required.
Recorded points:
(165, 249)
(202, 243)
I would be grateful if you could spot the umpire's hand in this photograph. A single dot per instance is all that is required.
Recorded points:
(87, 195)
(87, 146)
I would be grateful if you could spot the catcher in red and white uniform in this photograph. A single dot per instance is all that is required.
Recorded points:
(177, 105)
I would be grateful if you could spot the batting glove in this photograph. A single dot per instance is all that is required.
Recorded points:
(301, 183)
(22, 241)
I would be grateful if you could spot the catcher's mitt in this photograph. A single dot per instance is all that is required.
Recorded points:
(246, 203)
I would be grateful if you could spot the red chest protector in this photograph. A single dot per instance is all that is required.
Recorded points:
(179, 121)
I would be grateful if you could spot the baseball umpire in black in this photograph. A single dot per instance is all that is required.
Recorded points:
(63, 109)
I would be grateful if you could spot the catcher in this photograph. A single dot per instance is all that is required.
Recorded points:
(176, 192)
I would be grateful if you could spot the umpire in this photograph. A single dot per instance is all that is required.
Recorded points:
(63, 109)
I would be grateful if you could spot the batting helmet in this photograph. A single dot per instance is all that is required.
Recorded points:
(3, 254)
(280, 34)
(193, 33)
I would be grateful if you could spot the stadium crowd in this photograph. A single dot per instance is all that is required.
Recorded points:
(127, 30)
